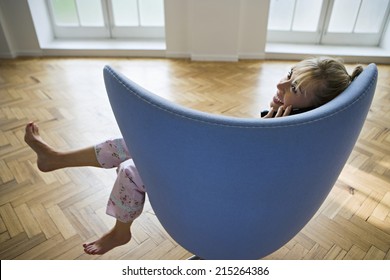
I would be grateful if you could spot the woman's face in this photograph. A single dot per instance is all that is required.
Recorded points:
(287, 94)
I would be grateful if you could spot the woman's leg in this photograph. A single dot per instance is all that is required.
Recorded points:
(128, 194)
(119, 235)
(125, 204)
(50, 158)
(107, 155)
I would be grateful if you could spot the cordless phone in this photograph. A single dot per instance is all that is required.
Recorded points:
(293, 111)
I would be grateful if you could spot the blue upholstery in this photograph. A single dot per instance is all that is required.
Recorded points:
(237, 188)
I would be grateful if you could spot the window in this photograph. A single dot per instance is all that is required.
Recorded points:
(107, 18)
(344, 22)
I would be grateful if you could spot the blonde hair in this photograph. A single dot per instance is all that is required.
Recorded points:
(327, 77)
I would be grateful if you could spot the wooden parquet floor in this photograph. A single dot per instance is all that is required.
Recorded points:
(49, 215)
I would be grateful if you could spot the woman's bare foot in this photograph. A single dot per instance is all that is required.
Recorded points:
(118, 236)
(48, 158)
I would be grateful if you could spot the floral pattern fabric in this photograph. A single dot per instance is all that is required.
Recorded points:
(127, 197)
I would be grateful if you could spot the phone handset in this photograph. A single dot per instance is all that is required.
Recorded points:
(294, 111)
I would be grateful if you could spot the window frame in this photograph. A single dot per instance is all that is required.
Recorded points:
(302, 37)
(353, 38)
(322, 37)
(108, 31)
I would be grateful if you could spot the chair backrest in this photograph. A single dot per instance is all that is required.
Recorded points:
(237, 188)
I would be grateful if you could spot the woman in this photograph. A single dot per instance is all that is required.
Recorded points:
(309, 84)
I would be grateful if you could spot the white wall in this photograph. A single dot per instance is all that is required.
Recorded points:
(176, 28)
(40, 17)
(216, 29)
(213, 29)
(5, 47)
(385, 44)
(253, 29)
(18, 28)
(5, 50)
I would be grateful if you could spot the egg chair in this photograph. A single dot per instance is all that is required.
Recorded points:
(237, 188)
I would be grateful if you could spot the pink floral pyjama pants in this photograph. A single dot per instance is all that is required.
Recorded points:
(127, 197)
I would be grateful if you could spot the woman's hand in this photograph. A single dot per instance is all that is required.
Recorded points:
(281, 112)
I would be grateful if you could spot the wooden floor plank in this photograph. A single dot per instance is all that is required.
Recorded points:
(11, 221)
(61, 221)
(41, 248)
(22, 246)
(27, 220)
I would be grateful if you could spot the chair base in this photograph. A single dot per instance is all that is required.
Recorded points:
(194, 258)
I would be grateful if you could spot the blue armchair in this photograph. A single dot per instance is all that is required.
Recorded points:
(237, 188)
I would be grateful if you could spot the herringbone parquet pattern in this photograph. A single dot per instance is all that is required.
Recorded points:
(49, 215)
